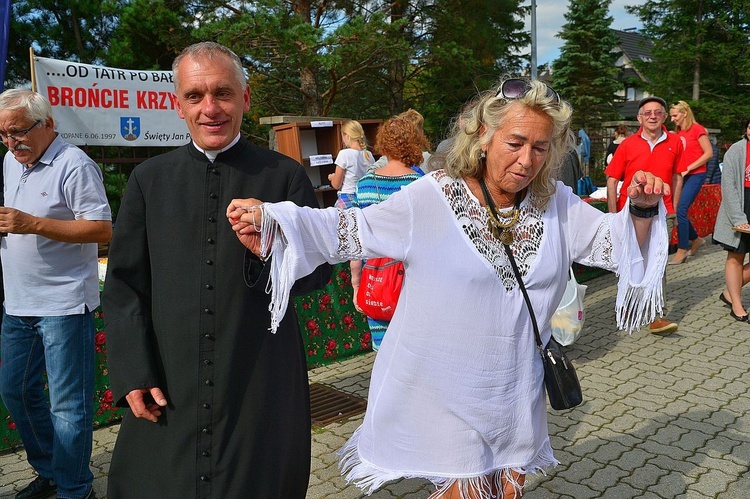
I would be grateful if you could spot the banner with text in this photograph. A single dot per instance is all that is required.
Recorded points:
(101, 106)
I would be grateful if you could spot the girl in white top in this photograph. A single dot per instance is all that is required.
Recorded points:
(351, 163)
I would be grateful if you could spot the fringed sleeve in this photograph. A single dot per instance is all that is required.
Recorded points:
(640, 290)
(297, 240)
(640, 297)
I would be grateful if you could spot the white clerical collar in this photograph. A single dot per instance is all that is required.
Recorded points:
(211, 155)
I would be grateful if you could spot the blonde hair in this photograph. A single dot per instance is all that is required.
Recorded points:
(414, 116)
(683, 106)
(488, 114)
(355, 132)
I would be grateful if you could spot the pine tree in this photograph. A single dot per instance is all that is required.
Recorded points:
(585, 74)
(701, 55)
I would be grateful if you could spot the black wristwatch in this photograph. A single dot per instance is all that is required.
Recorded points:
(644, 212)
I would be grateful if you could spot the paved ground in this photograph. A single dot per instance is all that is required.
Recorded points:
(664, 416)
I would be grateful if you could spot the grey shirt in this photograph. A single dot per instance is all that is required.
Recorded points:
(732, 207)
(44, 277)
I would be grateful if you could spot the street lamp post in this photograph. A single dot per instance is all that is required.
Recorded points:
(533, 40)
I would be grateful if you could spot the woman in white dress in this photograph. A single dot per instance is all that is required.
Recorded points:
(456, 393)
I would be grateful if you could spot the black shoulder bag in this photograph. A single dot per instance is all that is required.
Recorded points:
(560, 379)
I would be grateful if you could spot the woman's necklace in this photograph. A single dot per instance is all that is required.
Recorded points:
(502, 230)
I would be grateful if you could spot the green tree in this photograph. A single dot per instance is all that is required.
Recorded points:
(304, 54)
(371, 59)
(150, 34)
(585, 73)
(464, 46)
(345, 58)
(701, 54)
(76, 31)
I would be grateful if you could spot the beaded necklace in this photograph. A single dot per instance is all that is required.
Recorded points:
(502, 230)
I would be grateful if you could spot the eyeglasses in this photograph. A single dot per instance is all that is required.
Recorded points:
(656, 114)
(18, 136)
(515, 88)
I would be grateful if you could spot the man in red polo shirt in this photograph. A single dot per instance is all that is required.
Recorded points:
(653, 149)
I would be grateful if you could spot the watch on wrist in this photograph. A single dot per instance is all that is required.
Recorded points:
(644, 212)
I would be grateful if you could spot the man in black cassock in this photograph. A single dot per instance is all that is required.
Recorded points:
(219, 406)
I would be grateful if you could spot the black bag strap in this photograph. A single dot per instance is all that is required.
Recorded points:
(491, 206)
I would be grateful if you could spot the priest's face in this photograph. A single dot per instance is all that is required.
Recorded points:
(211, 100)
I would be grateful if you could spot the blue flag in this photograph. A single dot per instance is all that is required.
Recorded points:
(5, 13)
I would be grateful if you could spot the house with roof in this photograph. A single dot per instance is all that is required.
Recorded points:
(632, 48)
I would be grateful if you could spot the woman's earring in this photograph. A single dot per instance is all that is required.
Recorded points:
(483, 154)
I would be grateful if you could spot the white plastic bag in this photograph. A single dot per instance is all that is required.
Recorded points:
(567, 321)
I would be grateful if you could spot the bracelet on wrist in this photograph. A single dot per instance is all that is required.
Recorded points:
(644, 212)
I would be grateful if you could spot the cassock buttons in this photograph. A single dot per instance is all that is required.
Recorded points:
(209, 287)
(205, 453)
(208, 336)
(206, 406)
(211, 219)
(209, 383)
(208, 311)
(209, 262)
(205, 478)
(210, 240)
(206, 431)
(207, 362)
(213, 195)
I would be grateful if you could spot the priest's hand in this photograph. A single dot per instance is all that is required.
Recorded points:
(246, 218)
(143, 408)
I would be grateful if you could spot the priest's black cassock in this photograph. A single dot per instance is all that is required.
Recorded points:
(186, 311)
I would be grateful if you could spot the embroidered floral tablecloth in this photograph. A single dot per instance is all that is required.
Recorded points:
(331, 329)
(702, 213)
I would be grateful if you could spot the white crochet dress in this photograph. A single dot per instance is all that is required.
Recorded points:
(456, 391)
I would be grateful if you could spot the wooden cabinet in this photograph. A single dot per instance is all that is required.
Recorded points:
(319, 139)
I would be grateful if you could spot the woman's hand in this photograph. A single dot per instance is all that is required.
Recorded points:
(246, 218)
(646, 189)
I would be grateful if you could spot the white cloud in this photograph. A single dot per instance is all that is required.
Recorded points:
(550, 18)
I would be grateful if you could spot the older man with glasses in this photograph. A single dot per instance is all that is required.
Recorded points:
(653, 149)
(55, 213)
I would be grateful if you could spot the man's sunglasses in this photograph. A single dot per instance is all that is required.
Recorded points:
(515, 88)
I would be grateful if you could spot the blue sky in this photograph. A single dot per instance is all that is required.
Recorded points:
(549, 21)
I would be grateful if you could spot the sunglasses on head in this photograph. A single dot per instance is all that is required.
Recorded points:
(515, 88)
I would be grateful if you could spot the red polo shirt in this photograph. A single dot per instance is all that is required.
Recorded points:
(635, 153)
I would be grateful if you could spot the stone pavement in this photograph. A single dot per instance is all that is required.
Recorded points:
(665, 416)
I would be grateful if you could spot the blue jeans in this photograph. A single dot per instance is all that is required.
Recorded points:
(57, 435)
(691, 186)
